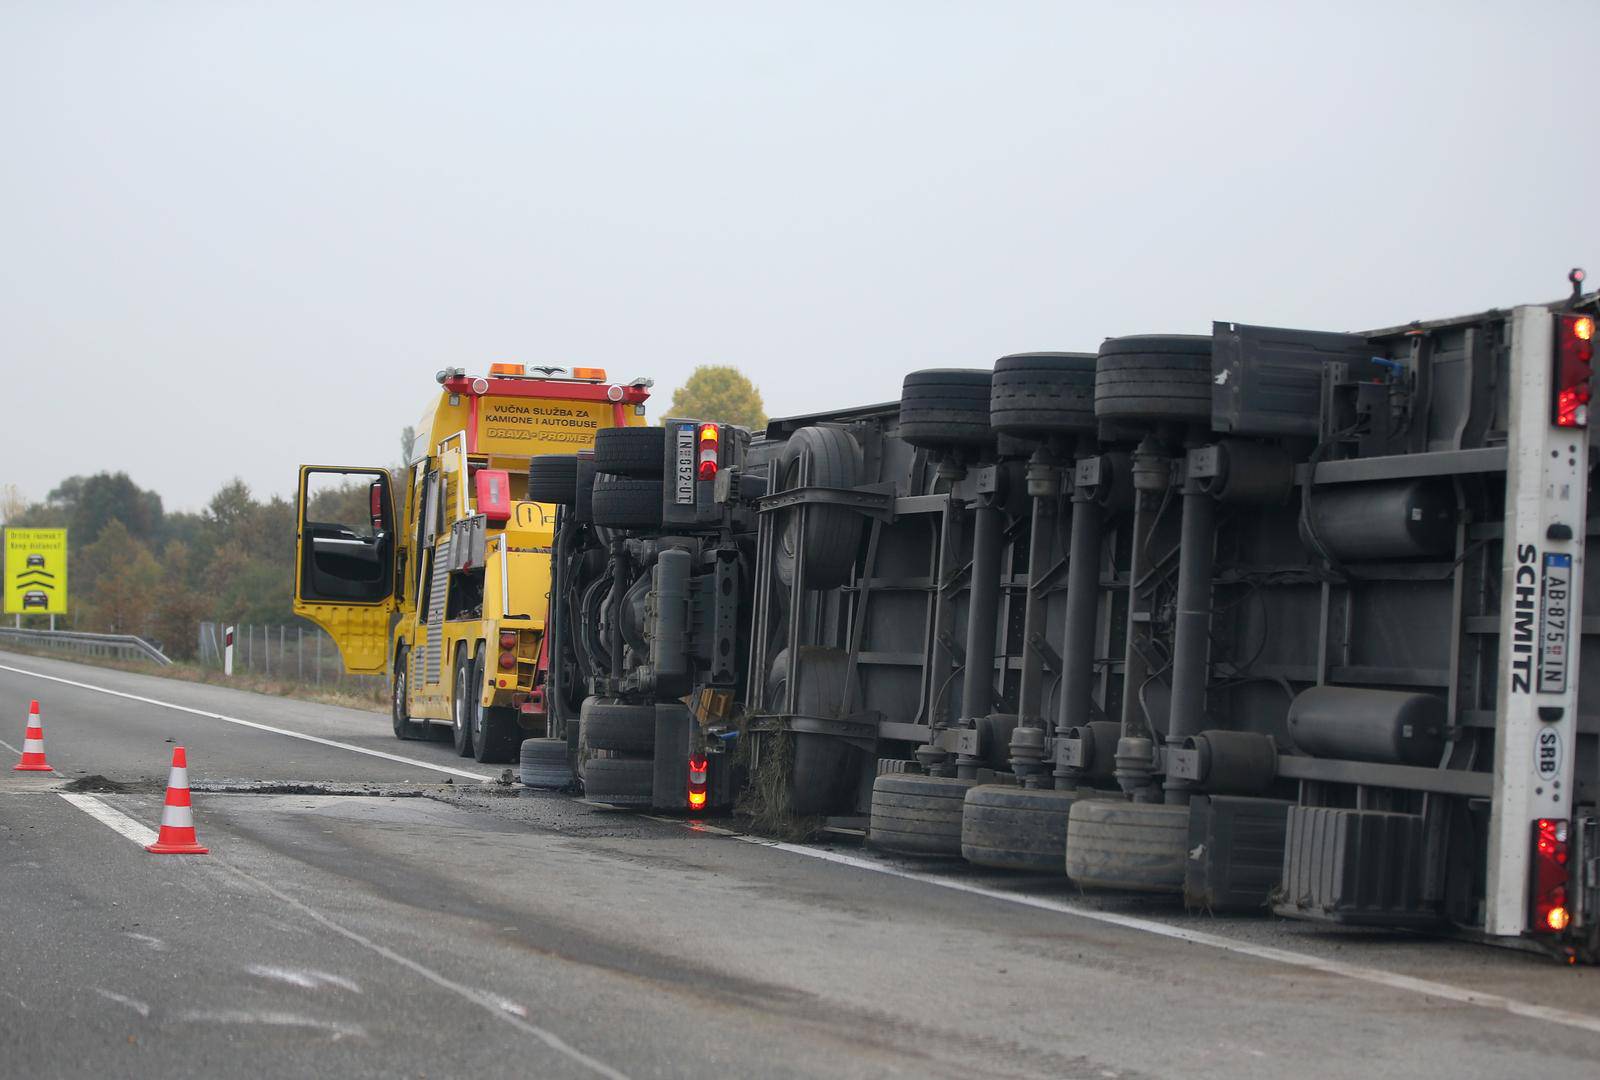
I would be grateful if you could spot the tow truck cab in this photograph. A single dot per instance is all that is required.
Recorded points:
(438, 573)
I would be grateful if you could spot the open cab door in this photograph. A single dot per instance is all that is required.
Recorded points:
(344, 561)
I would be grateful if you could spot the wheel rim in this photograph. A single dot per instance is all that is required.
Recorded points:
(461, 694)
(400, 696)
(475, 705)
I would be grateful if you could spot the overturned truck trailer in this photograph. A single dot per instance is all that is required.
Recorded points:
(1269, 618)
(1272, 619)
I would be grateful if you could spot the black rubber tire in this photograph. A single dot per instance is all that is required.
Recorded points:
(1012, 828)
(399, 713)
(553, 478)
(631, 451)
(1154, 378)
(583, 490)
(1041, 394)
(496, 735)
(611, 725)
(943, 408)
(1114, 844)
(917, 815)
(460, 696)
(623, 502)
(543, 764)
(823, 773)
(619, 781)
(826, 457)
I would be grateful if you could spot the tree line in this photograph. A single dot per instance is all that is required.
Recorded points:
(136, 568)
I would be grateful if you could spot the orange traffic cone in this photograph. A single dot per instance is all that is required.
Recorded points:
(177, 820)
(33, 744)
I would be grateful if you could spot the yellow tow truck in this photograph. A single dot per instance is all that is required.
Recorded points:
(440, 576)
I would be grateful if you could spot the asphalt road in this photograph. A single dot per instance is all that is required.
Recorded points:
(428, 923)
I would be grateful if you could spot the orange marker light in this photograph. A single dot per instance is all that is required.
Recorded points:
(1557, 918)
(597, 374)
(1583, 328)
(507, 369)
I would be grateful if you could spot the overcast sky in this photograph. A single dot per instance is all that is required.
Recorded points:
(237, 237)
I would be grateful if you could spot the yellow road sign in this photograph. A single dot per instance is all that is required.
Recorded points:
(36, 572)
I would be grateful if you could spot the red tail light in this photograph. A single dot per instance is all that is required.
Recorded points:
(697, 782)
(1574, 354)
(375, 501)
(508, 660)
(709, 441)
(508, 639)
(1550, 912)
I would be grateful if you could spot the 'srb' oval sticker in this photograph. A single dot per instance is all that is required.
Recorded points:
(1547, 754)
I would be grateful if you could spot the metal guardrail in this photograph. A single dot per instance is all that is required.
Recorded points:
(118, 646)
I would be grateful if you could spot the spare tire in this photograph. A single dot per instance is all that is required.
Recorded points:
(820, 457)
(1043, 393)
(544, 764)
(917, 815)
(1154, 377)
(623, 502)
(1112, 844)
(553, 478)
(631, 451)
(944, 408)
(619, 781)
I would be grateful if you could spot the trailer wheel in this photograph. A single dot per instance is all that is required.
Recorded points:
(826, 457)
(624, 502)
(619, 781)
(612, 725)
(495, 731)
(942, 408)
(824, 770)
(460, 698)
(1041, 394)
(917, 815)
(1154, 377)
(543, 764)
(400, 711)
(1014, 828)
(631, 451)
(1113, 844)
(553, 478)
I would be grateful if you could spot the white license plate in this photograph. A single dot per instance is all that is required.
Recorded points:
(1555, 623)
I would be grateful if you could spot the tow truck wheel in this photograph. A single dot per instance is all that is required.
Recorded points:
(1122, 845)
(460, 722)
(495, 733)
(400, 710)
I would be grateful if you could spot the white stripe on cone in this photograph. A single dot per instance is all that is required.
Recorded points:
(177, 817)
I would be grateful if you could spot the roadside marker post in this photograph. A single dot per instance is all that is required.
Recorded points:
(33, 744)
(177, 818)
(227, 652)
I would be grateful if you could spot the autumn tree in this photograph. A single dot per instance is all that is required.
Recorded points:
(722, 393)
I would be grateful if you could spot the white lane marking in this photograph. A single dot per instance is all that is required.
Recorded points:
(111, 817)
(1377, 976)
(272, 1019)
(494, 1004)
(154, 944)
(306, 980)
(137, 1006)
(252, 724)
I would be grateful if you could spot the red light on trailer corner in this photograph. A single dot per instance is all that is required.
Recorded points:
(1557, 918)
(697, 782)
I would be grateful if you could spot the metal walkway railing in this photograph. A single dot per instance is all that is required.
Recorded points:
(117, 646)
